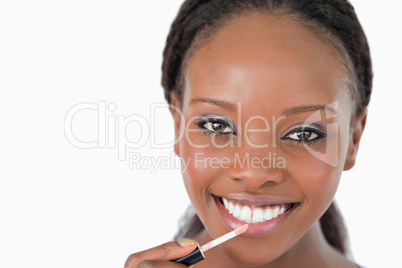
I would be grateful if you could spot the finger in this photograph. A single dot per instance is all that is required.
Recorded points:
(160, 264)
(168, 251)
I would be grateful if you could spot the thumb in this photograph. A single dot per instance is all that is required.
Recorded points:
(187, 246)
(168, 251)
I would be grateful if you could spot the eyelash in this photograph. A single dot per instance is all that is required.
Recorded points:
(201, 124)
(320, 136)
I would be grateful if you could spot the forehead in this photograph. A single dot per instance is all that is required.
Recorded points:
(262, 57)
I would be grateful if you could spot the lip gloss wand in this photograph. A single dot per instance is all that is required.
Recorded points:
(198, 254)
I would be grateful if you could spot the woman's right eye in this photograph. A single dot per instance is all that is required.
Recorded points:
(216, 127)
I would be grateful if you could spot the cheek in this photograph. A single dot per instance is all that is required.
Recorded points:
(318, 175)
(318, 182)
(200, 167)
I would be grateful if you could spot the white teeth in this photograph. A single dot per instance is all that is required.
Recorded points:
(258, 215)
(245, 214)
(225, 202)
(275, 212)
(282, 210)
(231, 207)
(237, 211)
(253, 215)
(267, 214)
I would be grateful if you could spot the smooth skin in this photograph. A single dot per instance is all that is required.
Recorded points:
(277, 69)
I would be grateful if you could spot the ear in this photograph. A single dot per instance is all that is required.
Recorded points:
(356, 132)
(175, 109)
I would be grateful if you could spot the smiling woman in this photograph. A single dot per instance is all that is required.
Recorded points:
(251, 79)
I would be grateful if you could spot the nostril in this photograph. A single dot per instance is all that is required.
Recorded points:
(256, 177)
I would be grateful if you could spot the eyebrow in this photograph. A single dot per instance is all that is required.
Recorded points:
(224, 104)
(289, 111)
(308, 108)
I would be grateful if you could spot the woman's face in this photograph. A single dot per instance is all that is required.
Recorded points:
(267, 133)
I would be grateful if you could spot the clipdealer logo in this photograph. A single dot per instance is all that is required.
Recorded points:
(112, 129)
(331, 154)
(112, 133)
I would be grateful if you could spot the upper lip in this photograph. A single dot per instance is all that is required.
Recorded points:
(256, 200)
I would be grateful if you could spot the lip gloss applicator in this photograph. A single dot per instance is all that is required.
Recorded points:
(198, 254)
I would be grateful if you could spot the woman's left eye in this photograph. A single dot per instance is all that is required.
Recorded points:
(304, 135)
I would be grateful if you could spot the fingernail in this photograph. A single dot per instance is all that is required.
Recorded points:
(187, 242)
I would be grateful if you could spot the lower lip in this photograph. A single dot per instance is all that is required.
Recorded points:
(254, 229)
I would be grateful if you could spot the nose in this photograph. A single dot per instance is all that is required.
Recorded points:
(257, 168)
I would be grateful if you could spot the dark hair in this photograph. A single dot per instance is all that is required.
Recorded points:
(333, 20)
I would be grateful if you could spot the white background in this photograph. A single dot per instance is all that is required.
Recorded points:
(61, 206)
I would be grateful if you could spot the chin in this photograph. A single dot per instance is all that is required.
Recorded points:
(252, 257)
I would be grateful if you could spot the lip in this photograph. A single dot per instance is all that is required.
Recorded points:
(260, 229)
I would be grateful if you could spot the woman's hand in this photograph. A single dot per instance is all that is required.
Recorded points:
(162, 255)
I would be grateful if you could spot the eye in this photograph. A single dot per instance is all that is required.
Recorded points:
(218, 127)
(306, 135)
(215, 126)
(302, 135)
